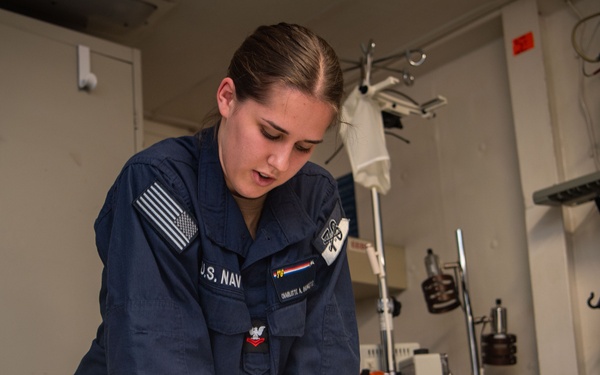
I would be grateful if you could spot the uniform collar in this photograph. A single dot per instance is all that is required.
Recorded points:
(284, 220)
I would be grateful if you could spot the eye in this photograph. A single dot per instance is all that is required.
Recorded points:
(303, 149)
(268, 135)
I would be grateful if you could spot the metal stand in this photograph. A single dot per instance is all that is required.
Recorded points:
(385, 304)
(389, 104)
(462, 272)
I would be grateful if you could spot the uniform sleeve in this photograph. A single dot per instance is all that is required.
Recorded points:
(152, 319)
(340, 353)
(330, 344)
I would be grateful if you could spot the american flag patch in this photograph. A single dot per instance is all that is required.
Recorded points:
(167, 216)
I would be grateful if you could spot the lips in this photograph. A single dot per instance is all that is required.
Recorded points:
(262, 179)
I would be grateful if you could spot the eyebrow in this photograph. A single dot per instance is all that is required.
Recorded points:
(282, 130)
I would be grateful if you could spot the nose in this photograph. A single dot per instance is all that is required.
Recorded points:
(280, 158)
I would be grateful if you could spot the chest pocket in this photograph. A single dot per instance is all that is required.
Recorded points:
(295, 281)
(289, 320)
(223, 313)
(222, 299)
(292, 283)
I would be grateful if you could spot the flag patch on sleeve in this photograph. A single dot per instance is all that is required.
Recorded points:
(332, 236)
(167, 216)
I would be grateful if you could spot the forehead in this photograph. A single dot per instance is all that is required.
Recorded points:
(287, 106)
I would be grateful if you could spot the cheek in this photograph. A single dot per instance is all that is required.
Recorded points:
(297, 161)
(243, 151)
(232, 153)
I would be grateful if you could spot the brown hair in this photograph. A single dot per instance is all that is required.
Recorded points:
(291, 55)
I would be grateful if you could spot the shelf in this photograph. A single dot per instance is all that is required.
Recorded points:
(570, 193)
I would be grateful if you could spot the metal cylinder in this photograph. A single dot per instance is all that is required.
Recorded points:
(499, 347)
(499, 322)
(432, 264)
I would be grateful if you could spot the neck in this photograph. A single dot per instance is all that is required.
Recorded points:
(251, 210)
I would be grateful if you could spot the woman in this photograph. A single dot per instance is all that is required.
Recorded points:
(224, 253)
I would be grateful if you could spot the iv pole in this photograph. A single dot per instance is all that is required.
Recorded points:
(401, 108)
(385, 305)
(467, 301)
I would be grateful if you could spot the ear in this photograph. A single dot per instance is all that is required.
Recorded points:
(225, 97)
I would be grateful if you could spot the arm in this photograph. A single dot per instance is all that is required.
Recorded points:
(330, 342)
(152, 320)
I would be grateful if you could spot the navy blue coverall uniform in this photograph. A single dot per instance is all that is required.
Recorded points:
(186, 290)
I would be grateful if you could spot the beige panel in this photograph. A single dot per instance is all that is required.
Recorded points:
(155, 132)
(547, 242)
(60, 150)
(364, 281)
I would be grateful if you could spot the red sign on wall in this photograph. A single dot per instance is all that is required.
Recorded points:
(523, 43)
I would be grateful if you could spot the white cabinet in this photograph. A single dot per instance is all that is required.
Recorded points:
(60, 150)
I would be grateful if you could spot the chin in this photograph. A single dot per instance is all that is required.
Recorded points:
(250, 194)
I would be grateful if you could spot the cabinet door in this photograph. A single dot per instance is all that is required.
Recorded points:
(60, 150)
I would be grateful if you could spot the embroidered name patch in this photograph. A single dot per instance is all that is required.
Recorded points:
(294, 281)
(167, 216)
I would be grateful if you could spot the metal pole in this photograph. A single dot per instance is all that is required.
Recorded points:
(385, 305)
(467, 301)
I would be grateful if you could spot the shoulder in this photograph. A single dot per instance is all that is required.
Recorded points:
(315, 177)
(315, 187)
(179, 150)
(170, 160)
(171, 163)
(318, 193)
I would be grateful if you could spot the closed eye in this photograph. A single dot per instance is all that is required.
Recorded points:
(303, 149)
(281, 133)
(268, 135)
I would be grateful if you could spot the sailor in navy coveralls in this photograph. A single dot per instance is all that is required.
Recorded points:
(224, 252)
